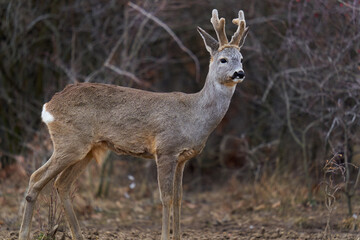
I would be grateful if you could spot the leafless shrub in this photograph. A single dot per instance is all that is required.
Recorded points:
(301, 63)
(307, 81)
(334, 176)
(55, 214)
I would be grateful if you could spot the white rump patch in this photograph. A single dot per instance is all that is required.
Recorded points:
(46, 116)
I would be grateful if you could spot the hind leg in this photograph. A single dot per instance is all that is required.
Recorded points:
(63, 185)
(56, 164)
(37, 181)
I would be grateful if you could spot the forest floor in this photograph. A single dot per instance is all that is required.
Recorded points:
(230, 210)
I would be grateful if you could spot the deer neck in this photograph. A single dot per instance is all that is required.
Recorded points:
(214, 100)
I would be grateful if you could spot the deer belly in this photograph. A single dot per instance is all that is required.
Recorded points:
(138, 149)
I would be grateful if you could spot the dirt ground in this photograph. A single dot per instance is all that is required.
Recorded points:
(231, 210)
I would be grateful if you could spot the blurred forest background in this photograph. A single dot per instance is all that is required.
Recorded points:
(297, 111)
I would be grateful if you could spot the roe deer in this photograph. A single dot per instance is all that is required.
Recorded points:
(87, 119)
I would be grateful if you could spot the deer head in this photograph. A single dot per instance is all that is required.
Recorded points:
(226, 59)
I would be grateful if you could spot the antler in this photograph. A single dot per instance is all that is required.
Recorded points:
(241, 30)
(219, 26)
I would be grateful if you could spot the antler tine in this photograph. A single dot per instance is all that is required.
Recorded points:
(241, 30)
(219, 26)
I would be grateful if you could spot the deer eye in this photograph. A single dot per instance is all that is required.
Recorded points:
(223, 60)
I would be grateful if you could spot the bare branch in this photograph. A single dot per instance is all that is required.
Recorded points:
(172, 34)
(349, 5)
(125, 73)
(69, 73)
(120, 71)
(288, 117)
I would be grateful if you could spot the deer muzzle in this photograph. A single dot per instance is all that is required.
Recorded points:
(238, 75)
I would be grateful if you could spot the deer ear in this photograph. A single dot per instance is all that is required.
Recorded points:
(210, 43)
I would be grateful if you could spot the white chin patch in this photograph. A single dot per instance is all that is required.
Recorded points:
(46, 116)
(238, 80)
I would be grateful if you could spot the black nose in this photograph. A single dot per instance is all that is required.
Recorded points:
(240, 74)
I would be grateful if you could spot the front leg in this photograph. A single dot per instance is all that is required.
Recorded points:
(166, 170)
(177, 199)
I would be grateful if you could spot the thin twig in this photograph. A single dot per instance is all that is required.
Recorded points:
(288, 117)
(172, 34)
(125, 73)
(349, 5)
(120, 71)
(69, 73)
